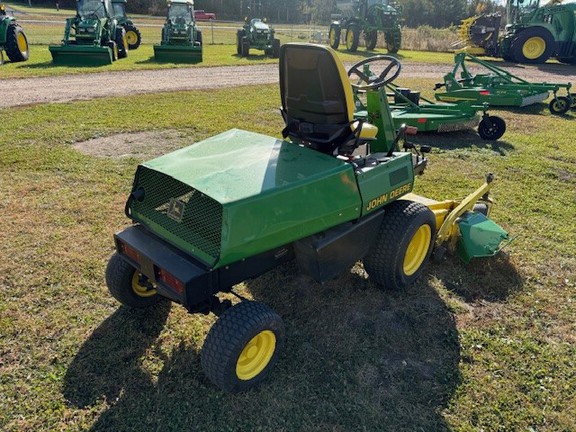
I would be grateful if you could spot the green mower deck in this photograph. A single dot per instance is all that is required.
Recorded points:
(499, 87)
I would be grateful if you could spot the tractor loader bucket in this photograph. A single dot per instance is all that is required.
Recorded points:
(178, 53)
(79, 55)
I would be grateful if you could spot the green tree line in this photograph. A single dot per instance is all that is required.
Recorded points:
(434, 13)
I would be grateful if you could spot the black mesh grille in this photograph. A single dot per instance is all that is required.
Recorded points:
(200, 225)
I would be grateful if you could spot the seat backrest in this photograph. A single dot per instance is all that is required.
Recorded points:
(317, 99)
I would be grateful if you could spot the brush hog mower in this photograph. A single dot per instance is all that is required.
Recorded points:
(91, 38)
(499, 87)
(13, 40)
(181, 39)
(409, 108)
(234, 206)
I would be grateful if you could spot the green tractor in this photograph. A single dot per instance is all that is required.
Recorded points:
(133, 35)
(367, 17)
(13, 40)
(181, 38)
(535, 32)
(336, 189)
(257, 34)
(91, 38)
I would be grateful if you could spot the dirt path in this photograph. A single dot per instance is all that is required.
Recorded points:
(30, 91)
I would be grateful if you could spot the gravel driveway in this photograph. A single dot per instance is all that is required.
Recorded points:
(64, 88)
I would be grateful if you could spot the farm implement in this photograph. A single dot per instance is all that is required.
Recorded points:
(336, 189)
(181, 39)
(91, 38)
(499, 87)
(13, 40)
(408, 107)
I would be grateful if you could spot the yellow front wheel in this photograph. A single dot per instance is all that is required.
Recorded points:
(403, 245)
(242, 346)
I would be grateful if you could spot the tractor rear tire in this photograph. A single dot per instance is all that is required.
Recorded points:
(559, 105)
(491, 128)
(17, 48)
(276, 48)
(352, 38)
(239, 36)
(242, 346)
(334, 36)
(133, 36)
(371, 38)
(128, 286)
(393, 40)
(121, 42)
(245, 47)
(403, 245)
(533, 45)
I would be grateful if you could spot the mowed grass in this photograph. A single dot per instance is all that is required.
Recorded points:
(488, 345)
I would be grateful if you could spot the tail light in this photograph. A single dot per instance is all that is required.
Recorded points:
(129, 251)
(169, 279)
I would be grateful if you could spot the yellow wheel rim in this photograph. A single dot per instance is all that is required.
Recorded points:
(332, 37)
(417, 250)
(534, 47)
(256, 355)
(349, 38)
(141, 290)
(131, 37)
(22, 43)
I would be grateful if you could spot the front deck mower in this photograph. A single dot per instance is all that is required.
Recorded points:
(499, 87)
(236, 205)
(411, 109)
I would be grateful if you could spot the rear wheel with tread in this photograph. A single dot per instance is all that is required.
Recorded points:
(16, 47)
(334, 36)
(133, 36)
(121, 42)
(371, 38)
(403, 245)
(128, 286)
(352, 38)
(245, 49)
(533, 45)
(242, 346)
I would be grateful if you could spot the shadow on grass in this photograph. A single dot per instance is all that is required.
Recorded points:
(461, 140)
(356, 358)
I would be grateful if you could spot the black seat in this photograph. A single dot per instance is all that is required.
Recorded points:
(317, 100)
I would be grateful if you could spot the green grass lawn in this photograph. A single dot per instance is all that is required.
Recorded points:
(488, 345)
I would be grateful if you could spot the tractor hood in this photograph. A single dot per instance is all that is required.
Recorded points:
(239, 194)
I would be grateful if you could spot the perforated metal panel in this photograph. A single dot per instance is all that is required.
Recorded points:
(187, 214)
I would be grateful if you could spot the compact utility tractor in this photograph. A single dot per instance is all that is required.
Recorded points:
(133, 35)
(367, 17)
(409, 108)
(181, 38)
(13, 40)
(499, 87)
(91, 38)
(257, 34)
(336, 190)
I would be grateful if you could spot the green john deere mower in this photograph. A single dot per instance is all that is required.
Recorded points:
(336, 189)
(498, 87)
(181, 38)
(409, 108)
(91, 38)
(13, 40)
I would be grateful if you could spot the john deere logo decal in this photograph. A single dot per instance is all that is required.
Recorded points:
(176, 210)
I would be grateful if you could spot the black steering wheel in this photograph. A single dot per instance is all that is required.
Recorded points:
(389, 74)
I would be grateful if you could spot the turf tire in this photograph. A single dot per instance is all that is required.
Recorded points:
(228, 339)
(120, 277)
(403, 222)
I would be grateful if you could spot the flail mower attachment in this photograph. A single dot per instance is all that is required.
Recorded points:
(499, 87)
